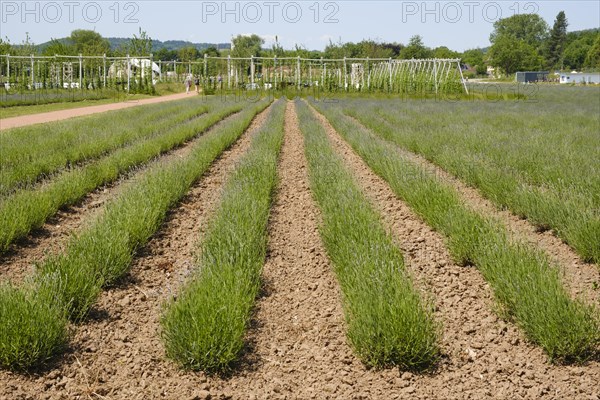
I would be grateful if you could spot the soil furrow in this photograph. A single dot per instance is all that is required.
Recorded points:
(580, 278)
(118, 352)
(52, 237)
(297, 344)
(485, 357)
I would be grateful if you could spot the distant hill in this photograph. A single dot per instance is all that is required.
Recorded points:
(116, 43)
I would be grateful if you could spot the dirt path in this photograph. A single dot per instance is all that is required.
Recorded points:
(484, 356)
(52, 237)
(578, 276)
(40, 118)
(118, 353)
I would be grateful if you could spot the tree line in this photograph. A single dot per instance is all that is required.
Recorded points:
(520, 42)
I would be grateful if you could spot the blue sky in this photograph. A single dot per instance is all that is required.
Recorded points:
(458, 25)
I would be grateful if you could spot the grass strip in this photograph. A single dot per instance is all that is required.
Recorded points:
(102, 253)
(204, 327)
(560, 199)
(524, 281)
(388, 321)
(28, 209)
(53, 146)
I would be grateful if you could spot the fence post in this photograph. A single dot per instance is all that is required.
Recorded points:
(80, 70)
(228, 71)
(152, 68)
(252, 72)
(390, 69)
(8, 69)
(345, 75)
(32, 73)
(298, 71)
(368, 75)
(205, 65)
(275, 70)
(128, 72)
(322, 73)
(104, 69)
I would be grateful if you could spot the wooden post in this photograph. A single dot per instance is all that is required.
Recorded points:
(345, 75)
(228, 72)
(298, 71)
(368, 75)
(205, 65)
(128, 72)
(390, 69)
(8, 68)
(252, 72)
(104, 69)
(32, 73)
(80, 70)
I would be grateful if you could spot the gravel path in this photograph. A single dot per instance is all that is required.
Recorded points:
(41, 118)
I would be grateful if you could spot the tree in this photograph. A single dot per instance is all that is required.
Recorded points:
(140, 45)
(475, 58)
(512, 55)
(165, 54)
(575, 54)
(211, 52)
(415, 49)
(530, 28)
(88, 42)
(58, 47)
(592, 59)
(444, 52)
(246, 46)
(372, 49)
(557, 40)
(188, 53)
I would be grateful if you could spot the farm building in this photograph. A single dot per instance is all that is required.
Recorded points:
(580, 77)
(531, 76)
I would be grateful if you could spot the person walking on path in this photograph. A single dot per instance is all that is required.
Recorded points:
(188, 83)
(196, 84)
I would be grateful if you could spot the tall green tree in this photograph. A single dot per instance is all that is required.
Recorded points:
(188, 53)
(246, 46)
(475, 58)
(557, 40)
(88, 42)
(444, 52)
(592, 59)
(530, 28)
(512, 55)
(415, 49)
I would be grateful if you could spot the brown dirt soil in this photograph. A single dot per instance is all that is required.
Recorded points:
(25, 120)
(117, 353)
(579, 276)
(19, 261)
(484, 357)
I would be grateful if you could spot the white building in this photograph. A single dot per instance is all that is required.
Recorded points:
(579, 77)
